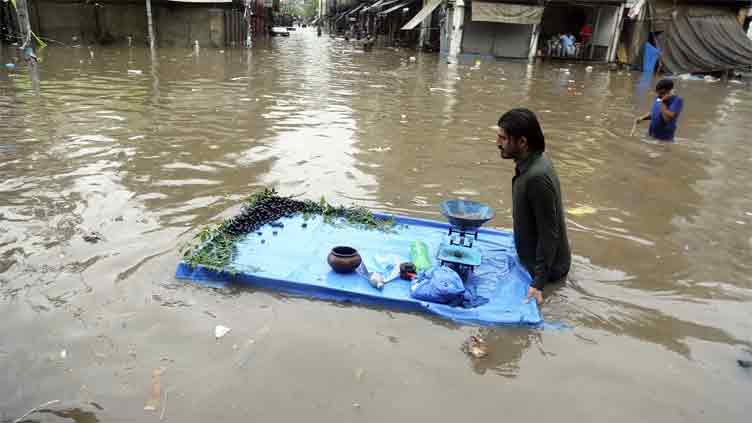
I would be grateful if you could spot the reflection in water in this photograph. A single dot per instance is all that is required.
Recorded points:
(663, 256)
(506, 348)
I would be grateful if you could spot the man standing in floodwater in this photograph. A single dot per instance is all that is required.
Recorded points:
(665, 113)
(540, 231)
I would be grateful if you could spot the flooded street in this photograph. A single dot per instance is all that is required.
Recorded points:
(648, 328)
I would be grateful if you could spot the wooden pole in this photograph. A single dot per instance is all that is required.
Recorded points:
(27, 44)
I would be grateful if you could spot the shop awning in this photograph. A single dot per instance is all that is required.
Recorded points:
(397, 7)
(358, 7)
(379, 4)
(507, 13)
(699, 40)
(417, 19)
(340, 16)
(636, 8)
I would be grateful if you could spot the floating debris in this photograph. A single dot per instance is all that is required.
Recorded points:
(93, 237)
(476, 347)
(744, 364)
(164, 405)
(582, 210)
(152, 404)
(35, 409)
(220, 331)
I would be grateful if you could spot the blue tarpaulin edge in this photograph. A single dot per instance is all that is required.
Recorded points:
(215, 278)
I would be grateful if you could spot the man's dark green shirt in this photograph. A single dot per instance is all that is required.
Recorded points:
(540, 232)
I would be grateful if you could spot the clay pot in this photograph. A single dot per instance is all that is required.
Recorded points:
(344, 259)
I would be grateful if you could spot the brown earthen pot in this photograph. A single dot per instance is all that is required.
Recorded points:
(344, 259)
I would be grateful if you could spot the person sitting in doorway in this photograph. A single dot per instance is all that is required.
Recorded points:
(567, 43)
(664, 115)
(585, 33)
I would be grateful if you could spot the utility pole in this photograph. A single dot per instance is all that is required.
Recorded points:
(150, 24)
(27, 44)
(457, 27)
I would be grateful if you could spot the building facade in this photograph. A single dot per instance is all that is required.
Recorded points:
(218, 23)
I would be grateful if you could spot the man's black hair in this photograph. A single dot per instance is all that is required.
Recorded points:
(664, 84)
(523, 123)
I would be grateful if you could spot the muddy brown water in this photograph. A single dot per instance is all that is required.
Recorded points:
(648, 328)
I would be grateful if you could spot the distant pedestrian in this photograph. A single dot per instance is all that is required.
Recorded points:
(540, 231)
(664, 115)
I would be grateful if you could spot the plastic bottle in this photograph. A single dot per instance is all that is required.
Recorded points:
(419, 256)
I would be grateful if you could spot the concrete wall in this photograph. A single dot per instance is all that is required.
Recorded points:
(176, 24)
(604, 32)
(496, 39)
(179, 26)
(68, 23)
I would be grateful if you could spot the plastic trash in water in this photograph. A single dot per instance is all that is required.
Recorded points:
(156, 391)
(220, 331)
(476, 347)
(582, 210)
(589, 69)
(10, 66)
(135, 72)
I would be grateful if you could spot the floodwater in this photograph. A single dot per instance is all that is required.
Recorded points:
(648, 328)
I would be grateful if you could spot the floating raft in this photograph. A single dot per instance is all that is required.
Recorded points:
(292, 259)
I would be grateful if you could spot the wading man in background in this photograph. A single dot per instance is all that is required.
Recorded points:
(665, 113)
(540, 232)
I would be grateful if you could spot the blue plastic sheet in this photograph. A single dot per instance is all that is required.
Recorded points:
(292, 259)
(650, 58)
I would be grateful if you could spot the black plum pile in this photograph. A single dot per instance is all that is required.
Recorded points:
(270, 209)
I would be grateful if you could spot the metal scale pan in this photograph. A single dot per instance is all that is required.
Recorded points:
(465, 218)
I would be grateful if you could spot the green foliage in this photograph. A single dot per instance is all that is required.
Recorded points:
(214, 246)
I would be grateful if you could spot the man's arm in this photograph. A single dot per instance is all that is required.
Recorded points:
(643, 117)
(542, 195)
(669, 113)
(666, 113)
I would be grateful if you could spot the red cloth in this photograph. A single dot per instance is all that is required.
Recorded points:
(585, 33)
